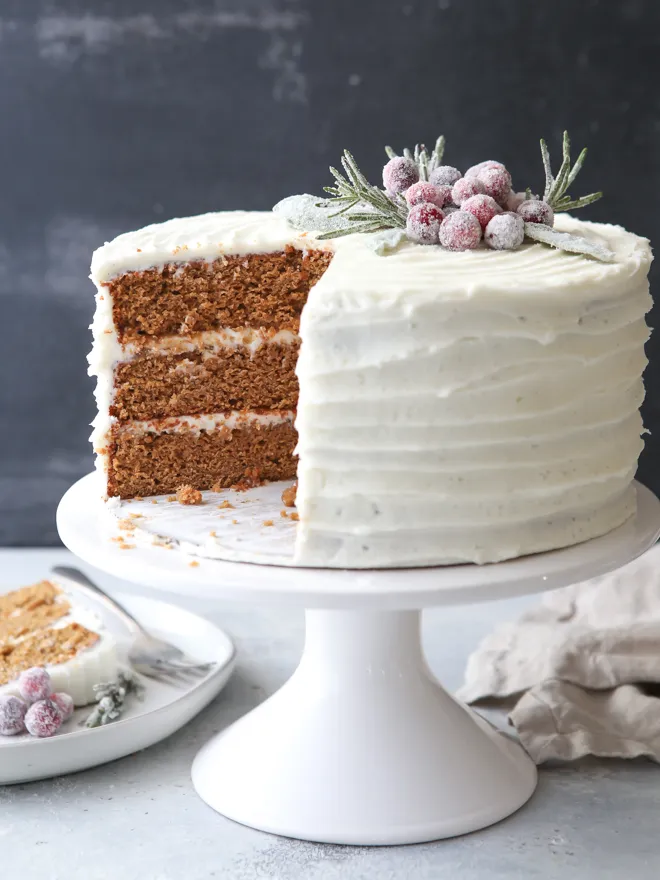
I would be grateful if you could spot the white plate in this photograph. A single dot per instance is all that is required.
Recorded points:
(164, 709)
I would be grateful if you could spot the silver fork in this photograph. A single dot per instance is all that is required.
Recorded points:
(148, 655)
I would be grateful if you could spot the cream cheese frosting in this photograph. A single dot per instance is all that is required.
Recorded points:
(454, 407)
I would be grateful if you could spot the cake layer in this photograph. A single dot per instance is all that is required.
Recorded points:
(257, 290)
(157, 457)
(207, 380)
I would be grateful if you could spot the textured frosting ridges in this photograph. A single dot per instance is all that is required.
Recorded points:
(469, 407)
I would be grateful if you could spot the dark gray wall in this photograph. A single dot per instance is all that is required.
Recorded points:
(117, 114)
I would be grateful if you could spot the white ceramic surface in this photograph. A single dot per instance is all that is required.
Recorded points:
(82, 525)
(362, 745)
(163, 710)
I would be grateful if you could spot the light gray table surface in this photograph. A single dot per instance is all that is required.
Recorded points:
(139, 819)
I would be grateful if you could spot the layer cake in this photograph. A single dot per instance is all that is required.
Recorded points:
(435, 406)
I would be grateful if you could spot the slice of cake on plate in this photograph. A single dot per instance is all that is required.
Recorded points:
(43, 625)
(470, 396)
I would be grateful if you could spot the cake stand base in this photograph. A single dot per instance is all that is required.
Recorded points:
(363, 746)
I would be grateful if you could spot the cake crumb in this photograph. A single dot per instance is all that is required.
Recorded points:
(268, 522)
(154, 501)
(226, 505)
(171, 497)
(234, 522)
(135, 516)
(212, 533)
(125, 546)
(193, 564)
(283, 514)
(289, 496)
(188, 495)
(294, 516)
(126, 525)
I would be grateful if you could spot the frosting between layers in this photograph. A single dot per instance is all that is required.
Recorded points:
(453, 406)
(206, 422)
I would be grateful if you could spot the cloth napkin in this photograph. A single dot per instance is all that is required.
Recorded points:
(580, 669)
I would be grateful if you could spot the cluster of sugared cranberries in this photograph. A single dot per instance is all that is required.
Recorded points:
(459, 211)
(38, 710)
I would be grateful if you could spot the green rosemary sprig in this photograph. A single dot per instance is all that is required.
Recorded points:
(376, 209)
(556, 188)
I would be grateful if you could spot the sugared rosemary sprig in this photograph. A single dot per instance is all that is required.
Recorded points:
(556, 188)
(110, 697)
(425, 162)
(378, 209)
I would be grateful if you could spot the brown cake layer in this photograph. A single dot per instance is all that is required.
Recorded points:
(153, 464)
(153, 387)
(257, 290)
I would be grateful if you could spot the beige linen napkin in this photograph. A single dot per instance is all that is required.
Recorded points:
(579, 667)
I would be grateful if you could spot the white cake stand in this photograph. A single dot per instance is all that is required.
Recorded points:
(362, 745)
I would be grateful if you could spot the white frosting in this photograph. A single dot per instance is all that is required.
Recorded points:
(207, 422)
(453, 406)
(96, 664)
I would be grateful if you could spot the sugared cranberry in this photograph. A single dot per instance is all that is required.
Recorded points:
(64, 703)
(43, 718)
(399, 174)
(496, 183)
(505, 231)
(34, 684)
(428, 192)
(475, 170)
(514, 200)
(536, 211)
(423, 223)
(484, 208)
(460, 231)
(445, 175)
(12, 715)
(465, 188)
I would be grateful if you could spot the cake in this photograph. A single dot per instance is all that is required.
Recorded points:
(435, 405)
(42, 625)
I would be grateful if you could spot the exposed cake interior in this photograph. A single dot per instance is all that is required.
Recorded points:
(204, 390)
(33, 630)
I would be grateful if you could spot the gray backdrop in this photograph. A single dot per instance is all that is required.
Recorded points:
(121, 113)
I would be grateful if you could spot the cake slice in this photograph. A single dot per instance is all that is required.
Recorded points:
(42, 625)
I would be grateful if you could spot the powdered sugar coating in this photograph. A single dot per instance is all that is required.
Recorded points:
(12, 715)
(445, 175)
(505, 231)
(465, 188)
(483, 207)
(537, 211)
(423, 224)
(474, 170)
(427, 192)
(399, 174)
(460, 231)
(34, 684)
(496, 182)
(43, 718)
(64, 703)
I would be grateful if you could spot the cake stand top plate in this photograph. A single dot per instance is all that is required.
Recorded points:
(82, 526)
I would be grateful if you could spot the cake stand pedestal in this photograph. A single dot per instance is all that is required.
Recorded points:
(362, 745)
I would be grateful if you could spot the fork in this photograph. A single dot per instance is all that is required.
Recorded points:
(149, 655)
